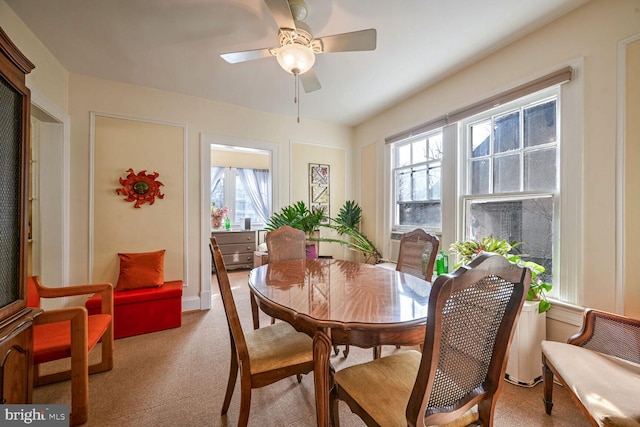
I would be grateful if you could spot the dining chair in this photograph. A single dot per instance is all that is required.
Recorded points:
(459, 374)
(263, 356)
(286, 243)
(71, 333)
(417, 254)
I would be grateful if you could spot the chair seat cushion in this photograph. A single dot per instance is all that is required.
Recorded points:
(52, 341)
(277, 346)
(607, 386)
(382, 388)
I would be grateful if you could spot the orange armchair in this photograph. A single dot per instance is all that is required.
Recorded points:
(71, 332)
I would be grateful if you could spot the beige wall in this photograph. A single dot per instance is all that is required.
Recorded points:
(119, 227)
(201, 117)
(570, 38)
(368, 191)
(632, 182)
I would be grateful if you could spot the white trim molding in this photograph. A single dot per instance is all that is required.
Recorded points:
(206, 140)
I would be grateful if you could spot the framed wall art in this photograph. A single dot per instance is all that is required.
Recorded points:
(319, 187)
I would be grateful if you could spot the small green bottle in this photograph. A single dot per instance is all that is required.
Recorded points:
(442, 263)
(227, 223)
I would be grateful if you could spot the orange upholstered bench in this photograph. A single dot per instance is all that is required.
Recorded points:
(139, 311)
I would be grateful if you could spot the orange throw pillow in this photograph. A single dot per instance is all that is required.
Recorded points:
(141, 270)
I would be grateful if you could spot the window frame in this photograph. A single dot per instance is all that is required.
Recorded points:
(429, 164)
(465, 160)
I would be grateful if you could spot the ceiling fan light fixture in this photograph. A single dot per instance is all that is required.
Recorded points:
(295, 58)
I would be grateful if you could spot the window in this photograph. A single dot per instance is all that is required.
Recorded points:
(229, 188)
(417, 166)
(511, 167)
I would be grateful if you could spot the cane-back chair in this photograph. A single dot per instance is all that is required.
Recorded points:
(459, 374)
(417, 255)
(263, 355)
(286, 243)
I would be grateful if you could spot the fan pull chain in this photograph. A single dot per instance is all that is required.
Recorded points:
(296, 96)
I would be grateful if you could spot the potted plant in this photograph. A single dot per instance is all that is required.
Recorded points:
(347, 223)
(470, 248)
(299, 216)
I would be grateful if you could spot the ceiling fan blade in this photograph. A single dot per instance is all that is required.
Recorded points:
(281, 13)
(310, 81)
(246, 55)
(349, 42)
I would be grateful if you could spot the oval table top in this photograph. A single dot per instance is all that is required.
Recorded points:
(341, 293)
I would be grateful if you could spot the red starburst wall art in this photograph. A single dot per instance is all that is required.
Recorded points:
(140, 188)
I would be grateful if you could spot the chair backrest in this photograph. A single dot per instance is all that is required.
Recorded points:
(286, 243)
(472, 313)
(418, 251)
(233, 321)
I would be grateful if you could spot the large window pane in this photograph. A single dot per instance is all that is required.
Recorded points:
(419, 183)
(435, 147)
(506, 174)
(434, 183)
(480, 138)
(480, 177)
(426, 214)
(507, 132)
(527, 220)
(403, 155)
(403, 185)
(540, 124)
(540, 170)
(419, 150)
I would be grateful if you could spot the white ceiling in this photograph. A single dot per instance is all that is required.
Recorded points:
(175, 45)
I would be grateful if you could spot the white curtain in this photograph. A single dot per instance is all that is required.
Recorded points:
(216, 174)
(256, 185)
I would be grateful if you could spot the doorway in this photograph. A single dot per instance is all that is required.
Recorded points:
(207, 142)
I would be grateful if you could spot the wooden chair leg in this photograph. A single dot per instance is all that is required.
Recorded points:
(245, 401)
(231, 384)
(547, 379)
(334, 412)
(79, 370)
(345, 353)
(377, 351)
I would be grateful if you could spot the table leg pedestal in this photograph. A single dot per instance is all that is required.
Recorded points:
(321, 375)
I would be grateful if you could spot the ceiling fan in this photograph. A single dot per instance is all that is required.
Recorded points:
(298, 47)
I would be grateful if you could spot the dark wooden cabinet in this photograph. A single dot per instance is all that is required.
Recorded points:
(16, 319)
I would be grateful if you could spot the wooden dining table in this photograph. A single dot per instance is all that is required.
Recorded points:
(340, 302)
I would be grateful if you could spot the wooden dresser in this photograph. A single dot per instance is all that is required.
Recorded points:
(237, 247)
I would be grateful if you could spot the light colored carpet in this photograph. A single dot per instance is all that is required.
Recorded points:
(178, 378)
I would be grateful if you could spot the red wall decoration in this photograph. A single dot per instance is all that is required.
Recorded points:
(140, 188)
